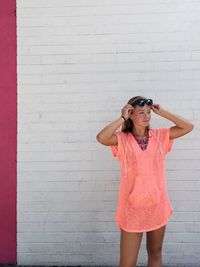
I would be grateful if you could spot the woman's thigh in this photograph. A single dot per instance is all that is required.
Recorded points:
(129, 248)
(155, 240)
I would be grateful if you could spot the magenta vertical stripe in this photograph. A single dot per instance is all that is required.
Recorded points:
(8, 139)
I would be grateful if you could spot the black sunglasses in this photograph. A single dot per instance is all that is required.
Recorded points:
(141, 102)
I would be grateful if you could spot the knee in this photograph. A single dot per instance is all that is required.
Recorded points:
(154, 253)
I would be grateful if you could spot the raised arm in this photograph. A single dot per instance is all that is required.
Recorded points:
(182, 126)
(107, 135)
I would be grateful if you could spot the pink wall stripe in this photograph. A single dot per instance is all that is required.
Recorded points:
(8, 131)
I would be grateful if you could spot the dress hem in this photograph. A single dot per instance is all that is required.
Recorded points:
(146, 230)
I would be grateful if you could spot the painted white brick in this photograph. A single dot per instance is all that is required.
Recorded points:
(79, 61)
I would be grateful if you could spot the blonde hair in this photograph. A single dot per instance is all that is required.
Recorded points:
(128, 125)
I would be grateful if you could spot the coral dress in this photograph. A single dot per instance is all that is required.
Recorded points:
(143, 202)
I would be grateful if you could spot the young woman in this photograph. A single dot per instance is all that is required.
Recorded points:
(143, 204)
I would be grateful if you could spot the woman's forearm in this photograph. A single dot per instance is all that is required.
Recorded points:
(182, 126)
(177, 120)
(106, 133)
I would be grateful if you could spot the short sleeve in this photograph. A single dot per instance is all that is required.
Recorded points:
(164, 136)
(117, 150)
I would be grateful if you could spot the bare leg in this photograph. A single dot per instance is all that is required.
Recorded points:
(129, 248)
(154, 247)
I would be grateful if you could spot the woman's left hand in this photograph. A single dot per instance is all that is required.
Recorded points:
(157, 109)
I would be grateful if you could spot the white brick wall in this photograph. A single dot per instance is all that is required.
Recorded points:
(79, 61)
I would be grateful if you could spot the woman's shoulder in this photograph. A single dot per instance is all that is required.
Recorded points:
(122, 135)
(159, 132)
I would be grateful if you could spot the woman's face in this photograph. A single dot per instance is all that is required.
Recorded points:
(141, 116)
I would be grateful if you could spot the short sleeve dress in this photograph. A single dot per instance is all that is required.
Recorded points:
(143, 201)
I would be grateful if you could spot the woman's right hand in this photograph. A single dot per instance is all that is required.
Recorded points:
(127, 110)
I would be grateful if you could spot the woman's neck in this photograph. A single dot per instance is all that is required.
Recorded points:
(140, 133)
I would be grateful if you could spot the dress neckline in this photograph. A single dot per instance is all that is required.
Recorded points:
(138, 145)
(142, 142)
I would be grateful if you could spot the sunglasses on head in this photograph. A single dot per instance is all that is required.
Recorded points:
(142, 102)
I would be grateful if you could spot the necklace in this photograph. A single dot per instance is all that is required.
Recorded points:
(142, 141)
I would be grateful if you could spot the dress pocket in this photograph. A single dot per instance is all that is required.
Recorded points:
(145, 193)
